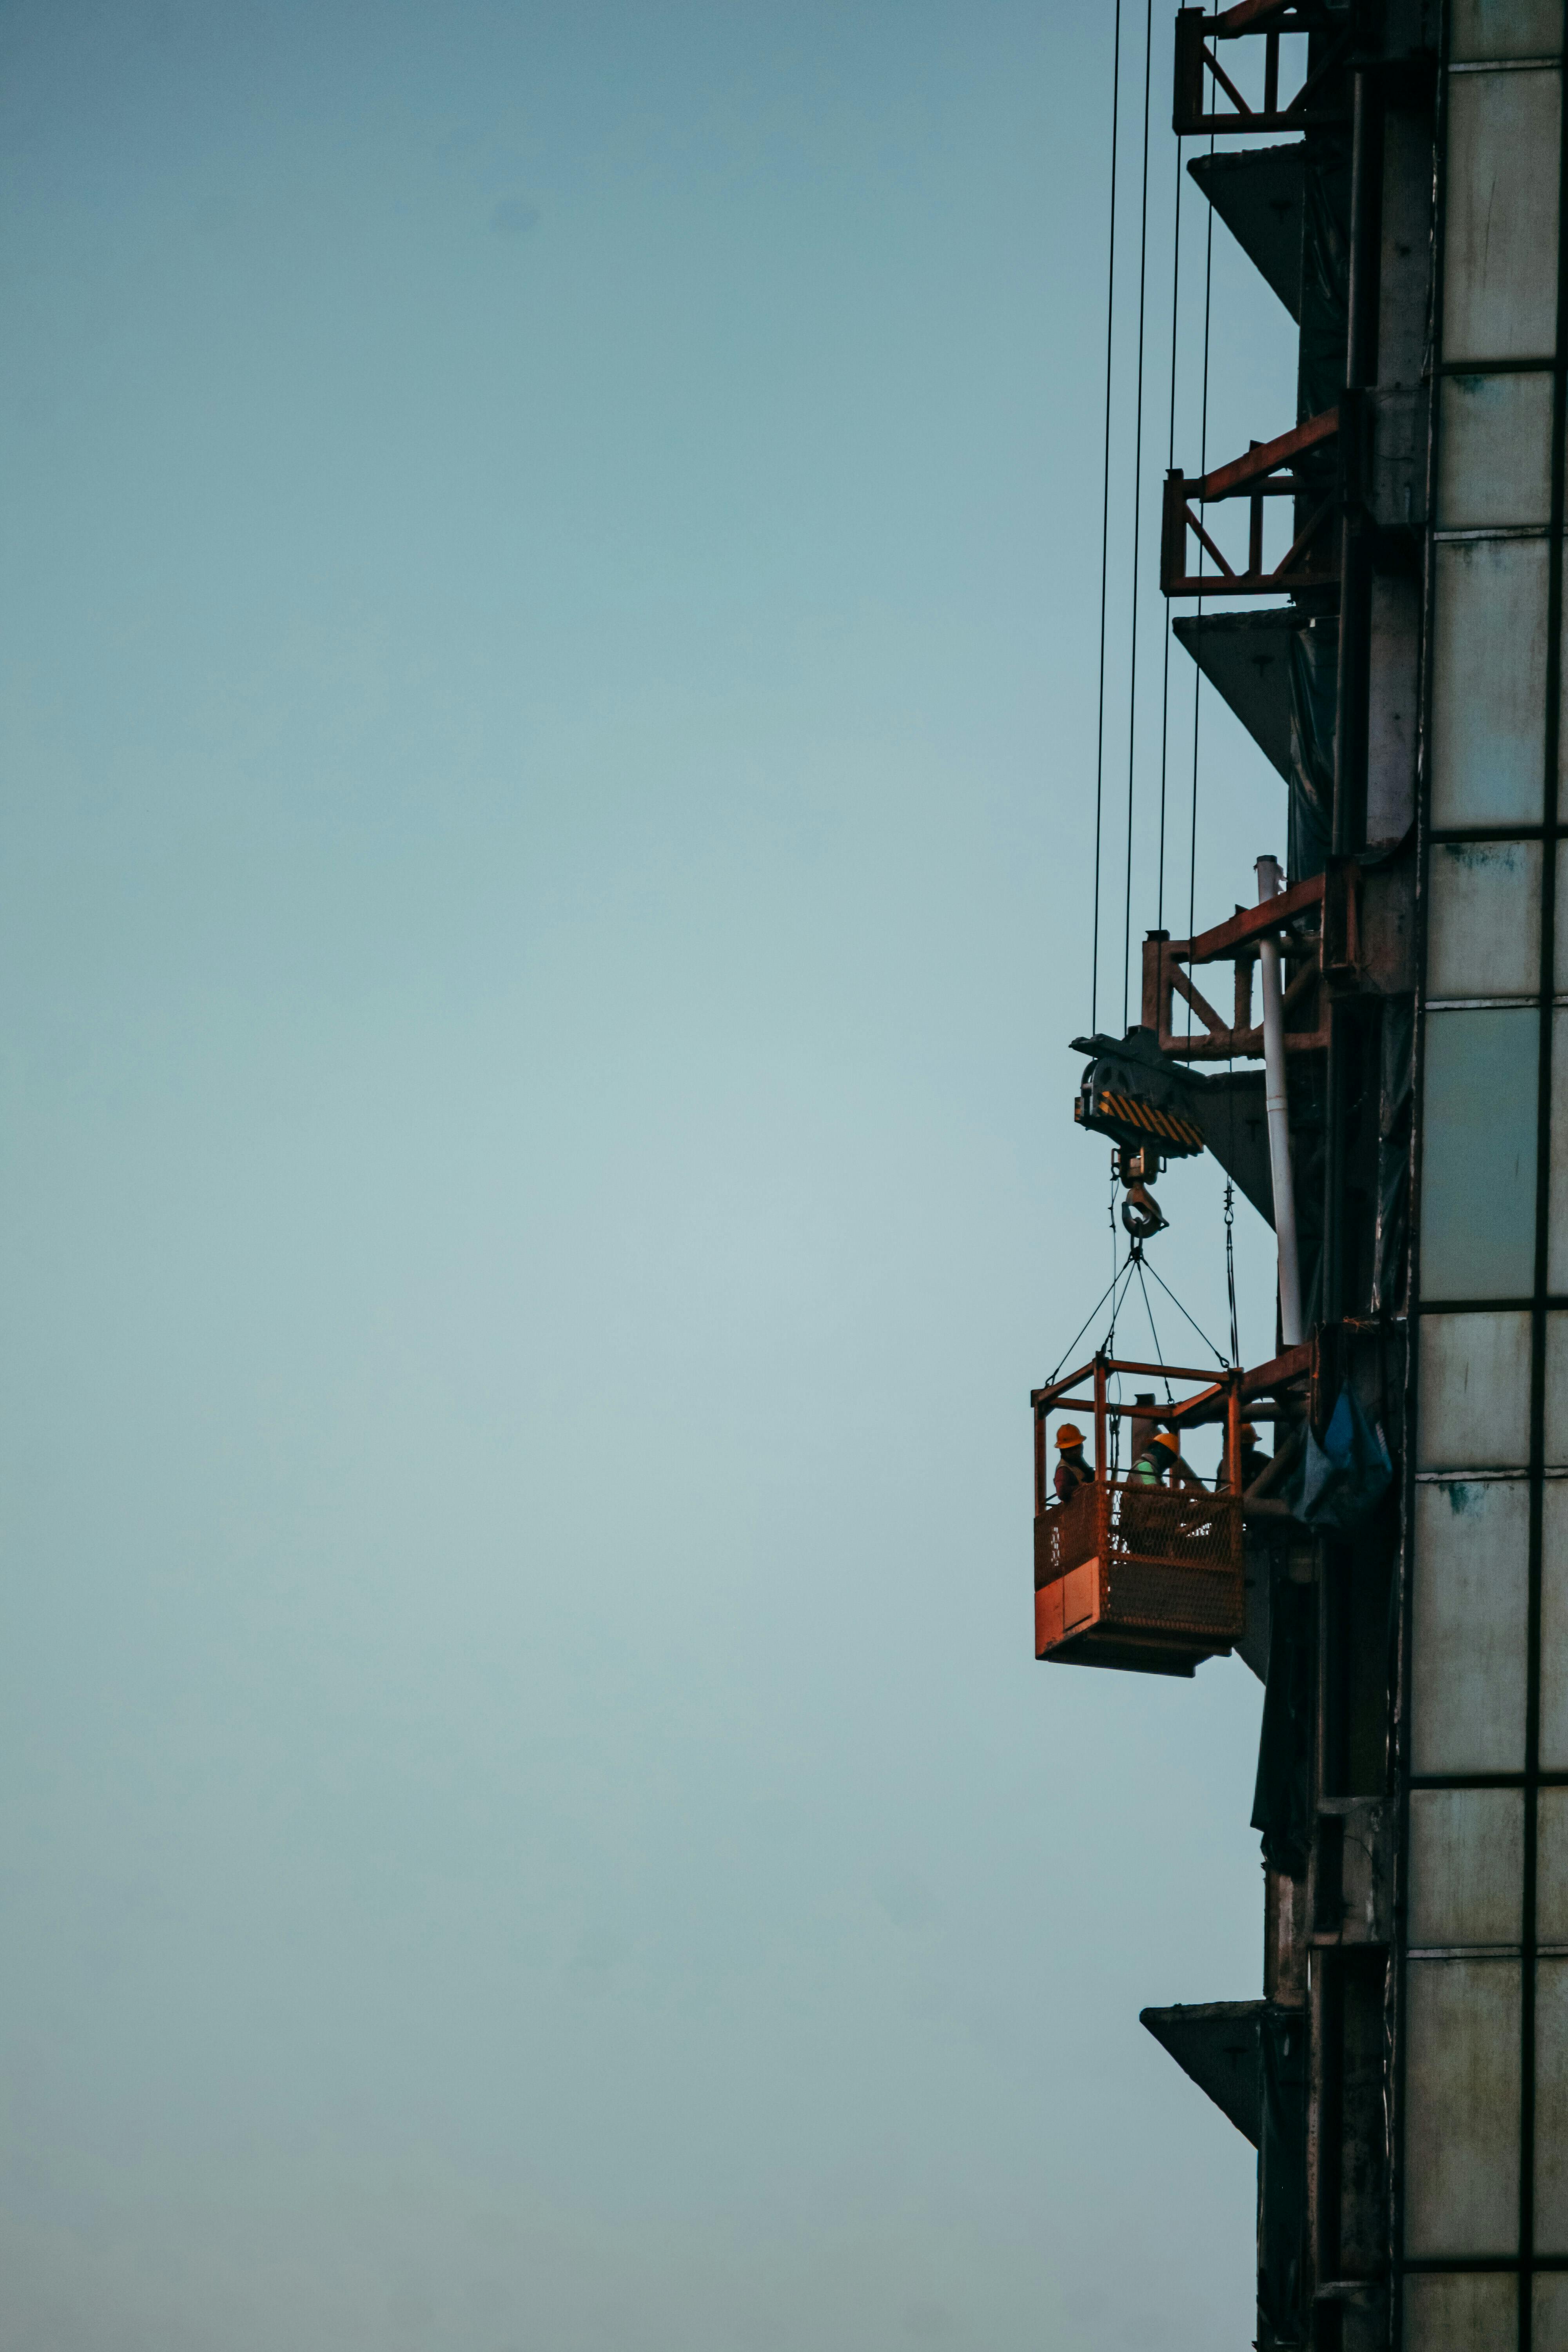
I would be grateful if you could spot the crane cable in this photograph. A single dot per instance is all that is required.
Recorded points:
(1116, 1290)
(1137, 520)
(1169, 465)
(1197, 665)
(1230, 1269)
(1105, 517)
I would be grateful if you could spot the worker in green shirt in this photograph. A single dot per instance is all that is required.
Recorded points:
(1160, 1464)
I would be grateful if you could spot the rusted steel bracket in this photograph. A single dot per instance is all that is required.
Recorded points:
(1279, 1372)
(1316, 923)
(1194, 112)
(1311, 561)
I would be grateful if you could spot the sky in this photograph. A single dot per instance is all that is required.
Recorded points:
(550, 572)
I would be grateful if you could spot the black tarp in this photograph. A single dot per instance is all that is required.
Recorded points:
(1282, 1796)
(1282, 2177)
(1340, 1482)
(1257, 1556)
(1313, 668)
(1325, 271)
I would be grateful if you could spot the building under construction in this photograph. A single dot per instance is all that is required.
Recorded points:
(1368, 1051)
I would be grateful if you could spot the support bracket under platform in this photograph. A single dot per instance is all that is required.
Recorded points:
(1219, 2044)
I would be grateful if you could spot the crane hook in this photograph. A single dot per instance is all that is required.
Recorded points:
(1142, 1215)
(1140, 1212)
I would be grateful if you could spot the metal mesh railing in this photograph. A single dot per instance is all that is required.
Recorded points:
(1172, 1558)
(1178, 1527)
(1067, 1533)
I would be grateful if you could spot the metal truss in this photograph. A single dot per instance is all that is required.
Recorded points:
(1317, 925)
(1195, 112)
(1266, 471)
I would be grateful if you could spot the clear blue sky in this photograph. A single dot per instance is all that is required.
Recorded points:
(549, 568)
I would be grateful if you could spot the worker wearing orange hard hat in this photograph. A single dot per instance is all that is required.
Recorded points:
(1072, 1470)
(1161, 1464)
(1253, 1461)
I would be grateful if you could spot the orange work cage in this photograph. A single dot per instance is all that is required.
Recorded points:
(1131, 1574)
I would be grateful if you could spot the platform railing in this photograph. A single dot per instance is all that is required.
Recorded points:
(1127, 1520)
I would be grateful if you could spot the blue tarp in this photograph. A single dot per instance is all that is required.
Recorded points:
(1339, 1482)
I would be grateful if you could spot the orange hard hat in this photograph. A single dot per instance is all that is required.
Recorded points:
(1068, 1436)
(1248, 1429)
(1167, 1437)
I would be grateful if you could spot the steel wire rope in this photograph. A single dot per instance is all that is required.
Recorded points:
(1197, 636)
(1149, 1311)
(1230, 1268)
(1137, 520)
(1110, 1341)
(1181, 1311)
(1170, 462)
(1110, 1220)
(1105, 516)
(1134, 1263)
(1115, 1243)
(1116, 1278)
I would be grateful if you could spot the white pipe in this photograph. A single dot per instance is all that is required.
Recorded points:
(1290, 1334)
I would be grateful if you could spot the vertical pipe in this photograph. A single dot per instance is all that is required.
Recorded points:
(1348, 819)
(1278, 1123)
(1344, 829)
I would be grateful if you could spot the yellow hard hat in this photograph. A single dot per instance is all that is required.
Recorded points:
(1167, 1437)
(1068, 1436)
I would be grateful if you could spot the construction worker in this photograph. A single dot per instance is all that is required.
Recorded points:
(1072, 1470)
(1253, 1461)
(1160, 1464)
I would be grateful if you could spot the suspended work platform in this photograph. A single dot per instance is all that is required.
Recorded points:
(1143, 1576)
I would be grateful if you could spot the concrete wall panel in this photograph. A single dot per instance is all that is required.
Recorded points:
(1470, 1601)
(1557, 1179)
(1474, 1391)
(1552, 1864)
(1489, 682)
(1494, 451)
(1556, 1435)
(1462, 2107)
(1554, 1629)
(1477, 1164)
(1461, 2311)
(1505, 28)
(1499, 274)
(1467, 1867)
(1552, 2107)
(1557, 1193)
(1483, 920)
(1549, 2313)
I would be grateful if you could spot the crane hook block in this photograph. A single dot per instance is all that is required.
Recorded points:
(1140, 1214)
(1130, 1093)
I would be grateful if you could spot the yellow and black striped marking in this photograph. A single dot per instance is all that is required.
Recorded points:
(1132, 1113)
